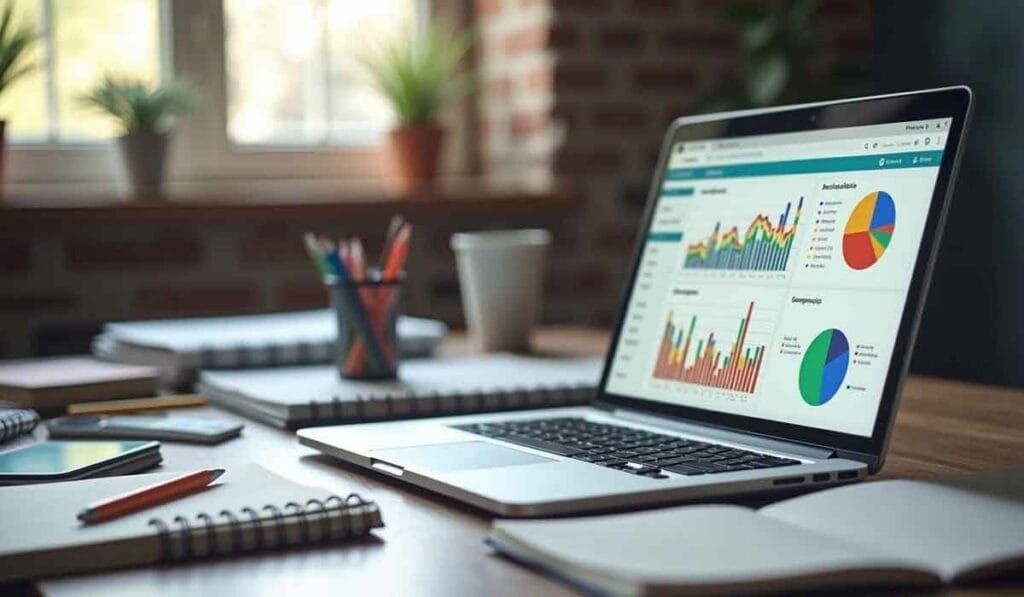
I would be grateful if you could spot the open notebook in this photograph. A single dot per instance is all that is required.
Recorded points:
(180, 347)
(305, 396)
(886, 533)
(248, 509)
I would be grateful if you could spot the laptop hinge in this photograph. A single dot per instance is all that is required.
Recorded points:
(728, 435)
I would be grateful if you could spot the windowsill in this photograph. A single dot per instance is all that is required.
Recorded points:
(256, 200)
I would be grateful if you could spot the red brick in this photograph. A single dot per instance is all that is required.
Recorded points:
(852, 42)
(301, 294)
(580, 77)
(562, 36)
(525, 40)
(619, 37)
(653, 6)
(15, 257)
(87, 254)
(500, 87)
(665, 78)
(586, 282)
(618, 117)
(271, 245)
(617, 238)
(592, 161)
(703, 38)
(24, 302)
(488, 7)
(528, 123)
(541, 79)
(591, 6)
(196, 298)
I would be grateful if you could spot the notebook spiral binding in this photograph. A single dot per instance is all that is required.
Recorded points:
(247, 356)
(331, 519)
(16, 421)
(429, 404)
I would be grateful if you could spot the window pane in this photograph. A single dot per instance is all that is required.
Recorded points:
(292, 77)
(23, 104)
(94, 37)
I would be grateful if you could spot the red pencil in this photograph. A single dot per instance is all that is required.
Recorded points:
(150, 495)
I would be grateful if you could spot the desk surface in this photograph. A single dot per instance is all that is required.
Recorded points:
(433, 545)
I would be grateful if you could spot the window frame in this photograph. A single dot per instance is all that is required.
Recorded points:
(192, 34)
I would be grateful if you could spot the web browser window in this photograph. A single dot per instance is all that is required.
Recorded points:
(775, 271)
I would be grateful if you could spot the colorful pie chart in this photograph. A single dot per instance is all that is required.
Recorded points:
(869, 230)
(824, 367)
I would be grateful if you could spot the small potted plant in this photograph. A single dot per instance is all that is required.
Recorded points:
(417, 74)
(146, 114)
(15, 44)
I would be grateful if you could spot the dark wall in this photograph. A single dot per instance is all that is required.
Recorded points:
(974, 320)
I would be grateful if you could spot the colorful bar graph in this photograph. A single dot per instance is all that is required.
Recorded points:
(763, 247)
(738, 370)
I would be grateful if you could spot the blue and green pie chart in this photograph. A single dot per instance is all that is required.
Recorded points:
(824, 367)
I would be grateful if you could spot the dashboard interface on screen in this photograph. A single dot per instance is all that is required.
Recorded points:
(775, 271)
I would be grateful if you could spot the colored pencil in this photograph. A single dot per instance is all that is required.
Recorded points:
(147, 496)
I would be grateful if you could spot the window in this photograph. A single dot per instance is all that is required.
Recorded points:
(82, 40)
(292, 74)
(282, 92)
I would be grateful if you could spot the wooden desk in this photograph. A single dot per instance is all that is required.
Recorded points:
(433, 545)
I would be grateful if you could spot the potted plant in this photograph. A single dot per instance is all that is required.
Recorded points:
(146, 114)
(417, 74)
(15, 45)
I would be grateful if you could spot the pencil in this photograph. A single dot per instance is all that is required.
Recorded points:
(109, 407)
(150, 495)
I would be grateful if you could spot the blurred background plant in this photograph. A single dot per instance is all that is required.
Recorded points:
(16, 43)
(780, 41)
(418, 72)
(141, 107)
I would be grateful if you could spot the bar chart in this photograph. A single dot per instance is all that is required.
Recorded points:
(763, 247)
(711, 366)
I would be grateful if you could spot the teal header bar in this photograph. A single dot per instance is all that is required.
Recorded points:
(678, 192)
(665, 237)
(913, 159)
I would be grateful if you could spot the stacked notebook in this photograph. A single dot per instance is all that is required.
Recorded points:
(886, 533)
(48, 385)
(180, 347)
(295, 397)
(248, 509)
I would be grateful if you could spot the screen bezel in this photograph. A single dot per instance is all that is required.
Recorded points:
(951, 103)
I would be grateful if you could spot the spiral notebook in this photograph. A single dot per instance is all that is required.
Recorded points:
(295, 397)
(249, 509)
(15, 422)
(180, 347)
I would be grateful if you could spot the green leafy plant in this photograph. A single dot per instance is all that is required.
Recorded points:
(142, 108)
(15, 44)
(780, 41)
(417, 73)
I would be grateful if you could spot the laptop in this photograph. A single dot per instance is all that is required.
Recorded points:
(764, 334)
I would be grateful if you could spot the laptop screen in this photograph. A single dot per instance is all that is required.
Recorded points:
(775, 271)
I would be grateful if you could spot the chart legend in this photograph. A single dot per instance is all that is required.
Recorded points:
(735, 370)
(763, 247)
(869, 230)
(824, 367)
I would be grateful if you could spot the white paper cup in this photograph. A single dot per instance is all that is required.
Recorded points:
(501, 274)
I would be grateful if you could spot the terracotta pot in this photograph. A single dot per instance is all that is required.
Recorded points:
(414, 150)
(145, 155)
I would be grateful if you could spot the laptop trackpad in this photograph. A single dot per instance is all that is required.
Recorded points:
(456, 456)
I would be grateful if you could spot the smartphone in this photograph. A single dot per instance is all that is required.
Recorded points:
(170, 428)
(68, 460)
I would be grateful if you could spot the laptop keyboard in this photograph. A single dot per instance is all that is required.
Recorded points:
(624, 448)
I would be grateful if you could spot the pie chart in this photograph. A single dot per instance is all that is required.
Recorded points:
(824, 367)
(869, 230)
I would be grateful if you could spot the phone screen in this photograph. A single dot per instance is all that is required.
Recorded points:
(51, 458)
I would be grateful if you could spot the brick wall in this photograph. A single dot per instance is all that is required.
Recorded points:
(575, 89)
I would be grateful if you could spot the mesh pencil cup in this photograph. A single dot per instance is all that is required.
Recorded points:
(367, 315)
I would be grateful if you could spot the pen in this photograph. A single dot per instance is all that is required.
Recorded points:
(108, 407)
(150, 495)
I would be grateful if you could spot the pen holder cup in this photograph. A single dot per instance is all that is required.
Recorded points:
(367, 314)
